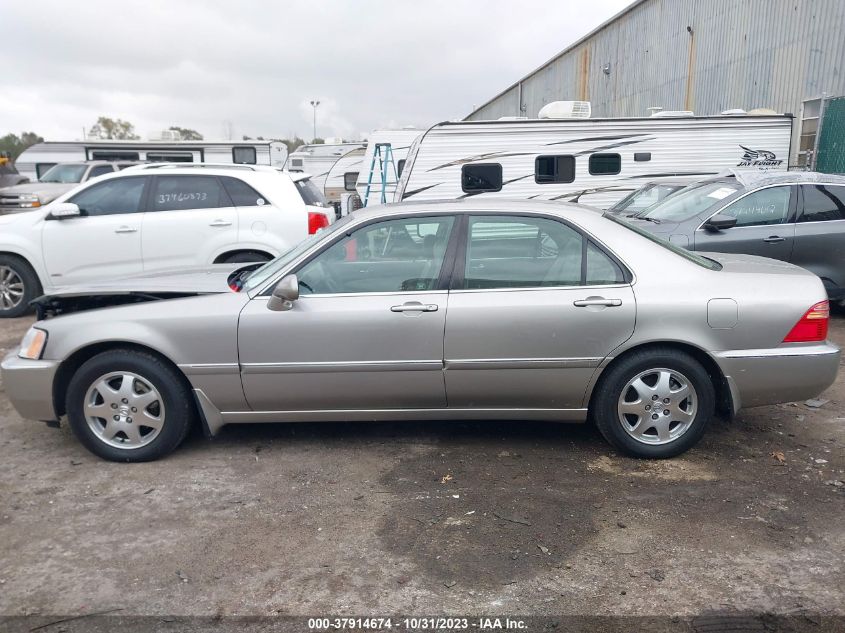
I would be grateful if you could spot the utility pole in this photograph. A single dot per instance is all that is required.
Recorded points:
(314, 105)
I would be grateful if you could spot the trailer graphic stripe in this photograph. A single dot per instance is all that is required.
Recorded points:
(488, 155)
(596, 138)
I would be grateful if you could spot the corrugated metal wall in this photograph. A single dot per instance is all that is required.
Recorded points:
(739, 54)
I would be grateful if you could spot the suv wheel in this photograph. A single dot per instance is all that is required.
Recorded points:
(129, 406)
(655, 403)
(18, 286)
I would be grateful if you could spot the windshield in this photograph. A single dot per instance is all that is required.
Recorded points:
(644, 197)
(696, 259)
(690, 201)
(268, 270)
(64, 173)
(310, 194)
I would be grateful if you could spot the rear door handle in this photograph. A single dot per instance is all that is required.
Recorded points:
(220, 223)
(125, 229)
(414, 306)
(774, 238)
(583, 303)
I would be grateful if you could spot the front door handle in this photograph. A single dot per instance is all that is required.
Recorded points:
(774, 238)
(415, 306)
(220, 223)
(126, 229)
(610, 303)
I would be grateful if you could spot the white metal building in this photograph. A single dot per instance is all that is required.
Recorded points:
(701, 55)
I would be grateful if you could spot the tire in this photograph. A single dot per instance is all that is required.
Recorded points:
(245, 257)
(102, 383)
(18, 286)
(624, 408)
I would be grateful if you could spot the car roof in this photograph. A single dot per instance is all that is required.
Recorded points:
(493, 206)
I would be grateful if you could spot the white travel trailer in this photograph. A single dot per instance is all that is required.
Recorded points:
(343, 175)
(592, 161)
(318, 159)
(381, 167)
(37, 159)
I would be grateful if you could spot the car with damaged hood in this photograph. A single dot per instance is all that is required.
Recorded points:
(796, 217)
(460, 310)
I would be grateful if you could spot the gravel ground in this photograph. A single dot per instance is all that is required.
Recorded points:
(520, 518)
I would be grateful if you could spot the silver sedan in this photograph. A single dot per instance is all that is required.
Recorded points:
(457, 310)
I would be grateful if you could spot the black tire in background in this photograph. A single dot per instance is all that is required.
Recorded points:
(167, 381)
(245, 257)
(610, 388)
(16, 274)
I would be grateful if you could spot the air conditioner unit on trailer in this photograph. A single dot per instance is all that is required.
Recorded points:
(566, 110)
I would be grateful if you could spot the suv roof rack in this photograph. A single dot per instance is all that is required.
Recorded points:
(197, 166)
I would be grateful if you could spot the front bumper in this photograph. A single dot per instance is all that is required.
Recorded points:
(29, 386)
(783, 374)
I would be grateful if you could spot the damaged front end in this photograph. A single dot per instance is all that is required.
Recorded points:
(48, 306)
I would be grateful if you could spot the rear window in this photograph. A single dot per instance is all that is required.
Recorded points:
(309, 192)
(695, 259)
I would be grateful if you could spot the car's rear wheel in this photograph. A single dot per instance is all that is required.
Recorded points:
(655, 403)
(245, 257)
(18, 286)
(129, 406)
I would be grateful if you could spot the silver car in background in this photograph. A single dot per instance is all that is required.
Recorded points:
(488, 309)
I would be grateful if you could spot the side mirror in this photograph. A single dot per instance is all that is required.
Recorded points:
(719, 222)
(284, 294)
(63, 210)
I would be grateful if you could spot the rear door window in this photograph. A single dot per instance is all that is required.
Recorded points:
(823, 203)
(183, 193)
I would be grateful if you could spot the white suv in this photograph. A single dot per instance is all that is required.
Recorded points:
(155, 216)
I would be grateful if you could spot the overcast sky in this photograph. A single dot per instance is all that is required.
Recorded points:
(252, 67)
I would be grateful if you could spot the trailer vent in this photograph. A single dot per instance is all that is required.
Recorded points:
(566, 110)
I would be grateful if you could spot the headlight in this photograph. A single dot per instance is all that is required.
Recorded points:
(29, 201)
(33, 344)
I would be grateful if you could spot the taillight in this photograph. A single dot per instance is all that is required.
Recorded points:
(316, 221)
(812, 326)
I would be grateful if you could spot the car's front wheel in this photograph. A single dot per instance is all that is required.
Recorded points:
(18, 286)
(128, 405)
(654, 403)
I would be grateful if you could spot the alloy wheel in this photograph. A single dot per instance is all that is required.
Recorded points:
(124, 410)
(657, 406)
(11, 288)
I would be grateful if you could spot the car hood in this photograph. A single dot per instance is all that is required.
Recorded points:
(153, 286)
(45, 190)
(198, 280)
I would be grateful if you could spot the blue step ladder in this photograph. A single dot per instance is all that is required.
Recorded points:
(383, 153)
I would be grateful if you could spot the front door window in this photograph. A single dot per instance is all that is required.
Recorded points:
(401, 255)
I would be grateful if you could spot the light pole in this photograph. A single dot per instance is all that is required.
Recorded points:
(314, 105)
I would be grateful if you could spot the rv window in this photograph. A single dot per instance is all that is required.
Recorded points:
(170, 157)
(42, 168)
(243, 155)
(605, 164)
(549, 169)
(349, 180)
(296, 163)
(481, 177)
(114, 155)
(641, 157)
(242, 194)
(400, 167)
